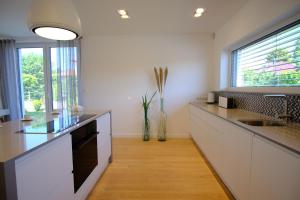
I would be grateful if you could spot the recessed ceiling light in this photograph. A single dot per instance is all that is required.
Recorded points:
(122, 12)
(197, 14)
(200, 10)
(125, 16)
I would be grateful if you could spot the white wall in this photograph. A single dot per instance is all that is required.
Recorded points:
(118, 70)
(255, 18)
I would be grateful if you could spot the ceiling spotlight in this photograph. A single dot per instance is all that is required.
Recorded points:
(197, 14)
(200, 10)
(124, 16)
(122, 12)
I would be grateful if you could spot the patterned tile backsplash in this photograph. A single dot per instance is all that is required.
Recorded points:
(257, 102)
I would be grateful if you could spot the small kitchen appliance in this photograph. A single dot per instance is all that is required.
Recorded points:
(211, 97)
(227, 102)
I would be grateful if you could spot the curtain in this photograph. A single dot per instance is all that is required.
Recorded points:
(10, 79)
(67, 74)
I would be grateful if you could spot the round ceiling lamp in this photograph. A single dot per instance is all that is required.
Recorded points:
(54, 19)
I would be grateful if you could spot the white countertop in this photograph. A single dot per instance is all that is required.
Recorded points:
(13, 144)
(286, 136)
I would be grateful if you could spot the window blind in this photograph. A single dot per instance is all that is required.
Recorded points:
(273, 60)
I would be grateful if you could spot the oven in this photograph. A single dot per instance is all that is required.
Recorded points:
(85, 156)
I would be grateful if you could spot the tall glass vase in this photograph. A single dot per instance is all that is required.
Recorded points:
(162, 129)
(146, 136)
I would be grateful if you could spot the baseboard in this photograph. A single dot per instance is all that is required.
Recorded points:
(139, 135)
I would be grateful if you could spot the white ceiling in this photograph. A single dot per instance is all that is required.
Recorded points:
(100, 17)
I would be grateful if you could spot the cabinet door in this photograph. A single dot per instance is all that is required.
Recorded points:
(275, 172)
(46, 173)
(227, 147)
(237, 145)
(104, 140)
(208, 138)
(196, 133)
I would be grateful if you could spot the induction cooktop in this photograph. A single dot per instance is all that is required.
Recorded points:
(56, 125)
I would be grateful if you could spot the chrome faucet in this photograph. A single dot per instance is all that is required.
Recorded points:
(284, 116)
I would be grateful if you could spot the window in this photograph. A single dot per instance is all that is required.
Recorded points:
(49, 77)
(31, 63)
(273, 60)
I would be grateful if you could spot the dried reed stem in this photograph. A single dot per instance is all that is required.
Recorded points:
(161, 75)
(157, 79)
(161, 78)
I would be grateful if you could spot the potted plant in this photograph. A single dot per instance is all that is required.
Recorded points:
(161, 78)
(146, 105)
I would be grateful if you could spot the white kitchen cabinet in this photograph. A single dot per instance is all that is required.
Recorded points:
(196, 132)
(251, 167)
(46, 173)
(207, 137)
(237, 144)
(275, 172)
(104, 140)
(226, 146)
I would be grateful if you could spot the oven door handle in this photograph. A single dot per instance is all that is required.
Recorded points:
(85, 142)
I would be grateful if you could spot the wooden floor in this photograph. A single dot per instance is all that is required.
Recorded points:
(170, 170)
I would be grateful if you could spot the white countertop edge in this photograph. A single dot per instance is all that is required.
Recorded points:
(59, 134)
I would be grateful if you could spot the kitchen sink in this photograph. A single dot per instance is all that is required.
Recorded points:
(259, 122)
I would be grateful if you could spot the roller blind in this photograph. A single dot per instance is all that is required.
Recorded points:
(273, 60)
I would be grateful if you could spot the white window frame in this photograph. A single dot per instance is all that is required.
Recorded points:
(46, 46)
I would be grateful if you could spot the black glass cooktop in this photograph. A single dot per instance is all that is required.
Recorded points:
(56, 125)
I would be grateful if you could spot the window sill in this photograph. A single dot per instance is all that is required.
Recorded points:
(285, 90)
